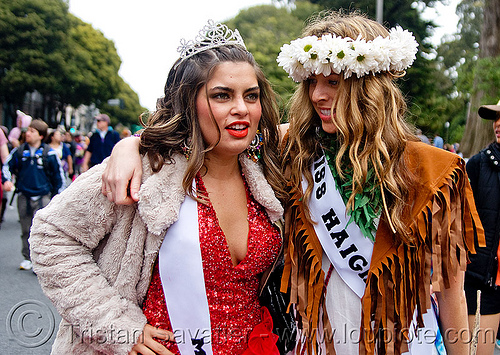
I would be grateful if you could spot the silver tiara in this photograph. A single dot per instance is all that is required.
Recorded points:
(212, 35)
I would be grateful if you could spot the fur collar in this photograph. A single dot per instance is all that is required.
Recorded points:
(161, 194)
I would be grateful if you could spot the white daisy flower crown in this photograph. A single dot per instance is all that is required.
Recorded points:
(329, 54)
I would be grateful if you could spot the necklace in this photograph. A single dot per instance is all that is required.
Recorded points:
(367, 207)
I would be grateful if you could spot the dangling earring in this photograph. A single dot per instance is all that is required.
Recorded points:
(253, 150)
(186, 148)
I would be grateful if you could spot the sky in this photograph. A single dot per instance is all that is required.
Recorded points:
(147, 33)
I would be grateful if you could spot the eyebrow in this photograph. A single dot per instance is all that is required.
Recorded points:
(228, 89)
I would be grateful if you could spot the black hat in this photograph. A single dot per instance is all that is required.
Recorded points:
(490, 112)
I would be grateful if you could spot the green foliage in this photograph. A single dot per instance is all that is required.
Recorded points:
(265, 29)
(457, 56)
(32, 47)
(367, 205)
(45, 48)
(395, 12)
(93, 64)
(459, 52)
(129, 113)
(487, 74)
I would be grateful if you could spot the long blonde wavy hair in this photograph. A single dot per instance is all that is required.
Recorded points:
(370, 121)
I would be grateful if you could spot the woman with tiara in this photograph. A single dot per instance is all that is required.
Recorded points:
(378, 225)
(179, 272)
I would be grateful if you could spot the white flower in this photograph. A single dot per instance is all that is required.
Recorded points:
(331, 54)
(313, 47)
(362, 60)
(287, 59)
(404, 48)
(381, 53)
(299, 73)
(303, 47)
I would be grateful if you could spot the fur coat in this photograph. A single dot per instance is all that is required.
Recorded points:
(94, 258)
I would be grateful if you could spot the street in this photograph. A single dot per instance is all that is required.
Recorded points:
(28, 321)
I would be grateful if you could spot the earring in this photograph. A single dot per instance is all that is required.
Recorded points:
(253, 150)
(186, 148)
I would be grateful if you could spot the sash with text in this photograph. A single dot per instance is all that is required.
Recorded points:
(181, 274)
(345, 245)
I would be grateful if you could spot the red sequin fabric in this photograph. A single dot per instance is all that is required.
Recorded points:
(232, 291)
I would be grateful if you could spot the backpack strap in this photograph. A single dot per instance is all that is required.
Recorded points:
(20, 151)
(45, 160)
(19, 156)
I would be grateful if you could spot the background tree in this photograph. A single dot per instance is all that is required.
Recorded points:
(265, 29)
(94, 75)
(32, 47)
(457, 55)
(486, 82)
(93, 64)
(45, 48)
(128, 110)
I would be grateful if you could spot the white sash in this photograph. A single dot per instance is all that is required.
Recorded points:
(181, 274)
(347, 248)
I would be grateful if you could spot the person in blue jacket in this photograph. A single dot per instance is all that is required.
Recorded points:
(101, 142)
(38, 175)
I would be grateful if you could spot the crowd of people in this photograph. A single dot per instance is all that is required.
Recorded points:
(438, 142)
(369, 229)
(40, 162)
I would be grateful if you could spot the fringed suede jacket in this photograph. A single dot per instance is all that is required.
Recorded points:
(444, 224)
(94, 259)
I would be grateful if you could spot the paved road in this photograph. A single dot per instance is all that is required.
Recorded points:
(28, 321)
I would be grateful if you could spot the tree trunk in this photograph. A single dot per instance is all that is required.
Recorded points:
(478, 132)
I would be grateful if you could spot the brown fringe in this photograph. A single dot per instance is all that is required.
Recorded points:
(303, 273)
(398, 281)
(450, 218)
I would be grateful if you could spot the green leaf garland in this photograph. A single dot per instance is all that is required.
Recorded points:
(368, 204)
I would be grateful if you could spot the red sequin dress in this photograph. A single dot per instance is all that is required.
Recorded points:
(232, 291)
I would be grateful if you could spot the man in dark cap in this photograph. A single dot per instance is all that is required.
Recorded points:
(483, 272)
(101, 142)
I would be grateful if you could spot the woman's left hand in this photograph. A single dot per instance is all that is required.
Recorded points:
(147, 345)
(121, 180)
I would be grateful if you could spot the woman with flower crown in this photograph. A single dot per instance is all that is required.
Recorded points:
(178, 272)
(377, 224)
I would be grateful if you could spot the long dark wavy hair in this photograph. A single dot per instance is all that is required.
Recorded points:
(174, 123)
